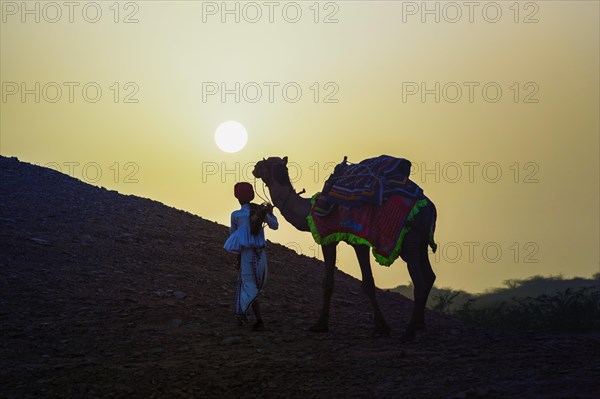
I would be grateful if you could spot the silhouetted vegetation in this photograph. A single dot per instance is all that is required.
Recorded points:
(537, 303)
(444, 300)
(570, 310)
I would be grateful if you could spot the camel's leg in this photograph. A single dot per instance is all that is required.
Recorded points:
(428, 278)
(368, 285)
(414, 253)
(329, 255)
(411, 254)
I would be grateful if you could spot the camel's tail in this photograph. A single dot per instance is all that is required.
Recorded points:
(432, 243)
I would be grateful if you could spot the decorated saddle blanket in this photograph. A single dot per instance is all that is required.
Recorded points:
(371, 181)
(381, 227)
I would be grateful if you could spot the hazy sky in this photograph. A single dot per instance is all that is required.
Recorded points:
(495, 103)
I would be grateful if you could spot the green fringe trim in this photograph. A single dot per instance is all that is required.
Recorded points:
(354, 239)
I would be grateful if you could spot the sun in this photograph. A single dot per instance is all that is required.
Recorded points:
(231, 136)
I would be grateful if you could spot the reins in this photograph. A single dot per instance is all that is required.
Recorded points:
(267, 200)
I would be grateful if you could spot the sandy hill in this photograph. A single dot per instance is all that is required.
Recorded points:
(107, 295)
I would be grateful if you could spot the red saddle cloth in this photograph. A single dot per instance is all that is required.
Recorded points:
(381, 227)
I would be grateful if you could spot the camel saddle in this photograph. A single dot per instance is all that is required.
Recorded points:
(371, 203)
(371, 181)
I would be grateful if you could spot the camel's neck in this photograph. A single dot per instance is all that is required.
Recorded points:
(292, 206)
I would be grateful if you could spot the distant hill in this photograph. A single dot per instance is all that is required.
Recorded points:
(107, 295)
(514, 289)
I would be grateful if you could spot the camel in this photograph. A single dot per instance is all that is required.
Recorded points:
(295, 209)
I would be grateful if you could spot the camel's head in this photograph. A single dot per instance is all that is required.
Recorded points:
(272, 169)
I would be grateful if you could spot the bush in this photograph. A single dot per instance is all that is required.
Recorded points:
(444, 300)
(564, 311)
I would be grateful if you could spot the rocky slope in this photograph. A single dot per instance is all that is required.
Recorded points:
(106, 295)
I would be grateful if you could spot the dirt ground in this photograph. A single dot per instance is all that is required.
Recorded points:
(106, 295)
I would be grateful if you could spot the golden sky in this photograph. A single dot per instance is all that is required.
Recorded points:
(496, 104)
